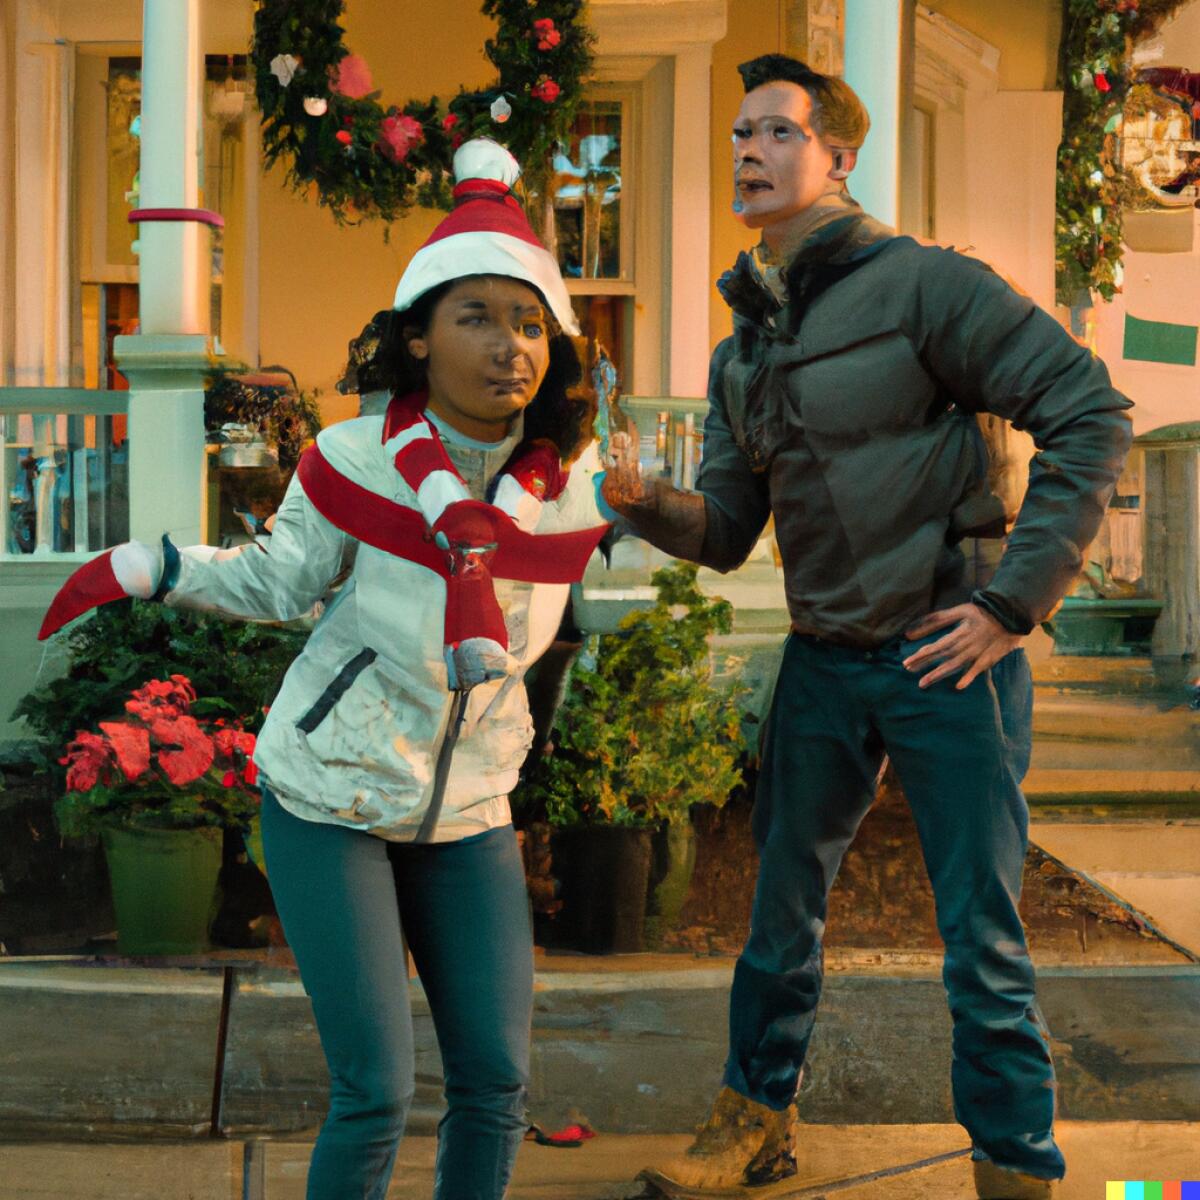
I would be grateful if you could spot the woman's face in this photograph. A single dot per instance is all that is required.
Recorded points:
(487, 349)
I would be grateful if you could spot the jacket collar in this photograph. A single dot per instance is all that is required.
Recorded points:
(845, 236)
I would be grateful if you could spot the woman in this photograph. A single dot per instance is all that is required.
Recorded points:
(398, 732)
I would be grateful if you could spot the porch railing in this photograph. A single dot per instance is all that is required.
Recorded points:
(670, 434)
(64, 472)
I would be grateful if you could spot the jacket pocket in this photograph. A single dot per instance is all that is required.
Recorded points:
(336, 690)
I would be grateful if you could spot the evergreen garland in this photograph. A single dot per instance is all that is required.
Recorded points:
(365, 160)
(1095, 76)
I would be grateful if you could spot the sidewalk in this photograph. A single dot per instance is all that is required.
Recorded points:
(602, 1169)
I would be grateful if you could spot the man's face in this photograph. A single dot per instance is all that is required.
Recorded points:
(780, 166)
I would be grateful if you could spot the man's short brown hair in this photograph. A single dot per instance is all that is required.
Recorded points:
(839, 116)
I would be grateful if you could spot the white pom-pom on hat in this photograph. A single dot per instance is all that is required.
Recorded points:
(486, 234)
(481, 158)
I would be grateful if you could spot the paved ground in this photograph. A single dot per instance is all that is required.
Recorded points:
(601, 1169)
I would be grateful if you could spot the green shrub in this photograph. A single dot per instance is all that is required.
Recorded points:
(235, 668)
(643, 732)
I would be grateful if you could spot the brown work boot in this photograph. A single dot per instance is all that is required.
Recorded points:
(1000, 1183)
(740, 1142)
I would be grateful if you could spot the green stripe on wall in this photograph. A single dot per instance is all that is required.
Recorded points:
(1160, 341)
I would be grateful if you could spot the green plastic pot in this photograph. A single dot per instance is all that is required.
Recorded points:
(254, 844)
(164, 888)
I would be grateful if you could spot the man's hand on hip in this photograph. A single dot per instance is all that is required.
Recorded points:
(977, 641)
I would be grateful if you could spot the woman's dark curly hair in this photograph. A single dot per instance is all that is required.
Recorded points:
(564, 409)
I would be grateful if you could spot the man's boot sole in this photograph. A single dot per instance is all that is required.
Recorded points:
(658, 1185)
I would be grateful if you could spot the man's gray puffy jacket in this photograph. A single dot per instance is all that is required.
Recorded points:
(850, 415)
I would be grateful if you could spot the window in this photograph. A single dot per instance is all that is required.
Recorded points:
(594, 219)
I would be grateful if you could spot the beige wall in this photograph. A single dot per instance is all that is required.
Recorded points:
(319, 284)
(754, 28)
(1026, 32)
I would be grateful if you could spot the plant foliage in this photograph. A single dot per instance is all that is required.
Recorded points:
(644, 732)
(235, 668)
(284, 416)
(156, 766)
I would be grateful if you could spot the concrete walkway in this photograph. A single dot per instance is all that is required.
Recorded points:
(602, 1169)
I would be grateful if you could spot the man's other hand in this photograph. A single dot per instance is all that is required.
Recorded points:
(977, 641)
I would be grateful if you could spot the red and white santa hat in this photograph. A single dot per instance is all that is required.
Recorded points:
(486, 234)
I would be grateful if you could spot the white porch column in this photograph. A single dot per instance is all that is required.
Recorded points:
(165, 363)
(690, 222)
(171, 270)
(878, 56)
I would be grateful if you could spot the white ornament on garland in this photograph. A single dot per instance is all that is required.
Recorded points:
(501, 110)
(316, 106)
(284, 68)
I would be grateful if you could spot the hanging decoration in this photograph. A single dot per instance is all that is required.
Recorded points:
(1095, 75)
(325, 121)
(1160, 139)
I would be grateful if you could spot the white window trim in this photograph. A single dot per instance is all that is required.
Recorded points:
(666, 46)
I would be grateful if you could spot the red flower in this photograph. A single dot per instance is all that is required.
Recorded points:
(398, 135)
(250, 774)
(344, 137)
(351, 78)
(227, 779)
(549, 40)
(162, 696)
(131, 744)
(449, 121)
(547, 91)
(544, 26)
(229, 742)
(456, 141)
(189, 753)
(86, 761)
(1102, 84)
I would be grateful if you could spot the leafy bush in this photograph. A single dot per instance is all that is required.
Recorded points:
(235, 668)
(644, 733)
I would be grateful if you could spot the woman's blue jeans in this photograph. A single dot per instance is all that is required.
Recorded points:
(959, 756)
(344, 897)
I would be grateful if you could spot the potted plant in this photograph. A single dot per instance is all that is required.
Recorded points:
(643, 734)
(159, 786)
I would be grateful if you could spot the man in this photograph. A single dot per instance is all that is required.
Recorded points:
(845, 404)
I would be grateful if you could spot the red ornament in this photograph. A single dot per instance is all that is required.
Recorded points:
(344, 136)
(543, 26)
(547, 91)
(398, 134)
(1102, 84)
(549, 40)
(449, 121)
(351, 78)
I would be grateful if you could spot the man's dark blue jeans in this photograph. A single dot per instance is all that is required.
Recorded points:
(959, 756)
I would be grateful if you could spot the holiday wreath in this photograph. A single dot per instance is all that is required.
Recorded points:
(1095, 76)
(325, 121)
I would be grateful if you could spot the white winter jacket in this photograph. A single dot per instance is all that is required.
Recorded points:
(353, 736)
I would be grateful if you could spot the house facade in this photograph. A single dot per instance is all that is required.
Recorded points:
(108, 329)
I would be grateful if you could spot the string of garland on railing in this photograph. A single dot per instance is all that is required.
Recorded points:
(323, 119)
(1095, 75)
